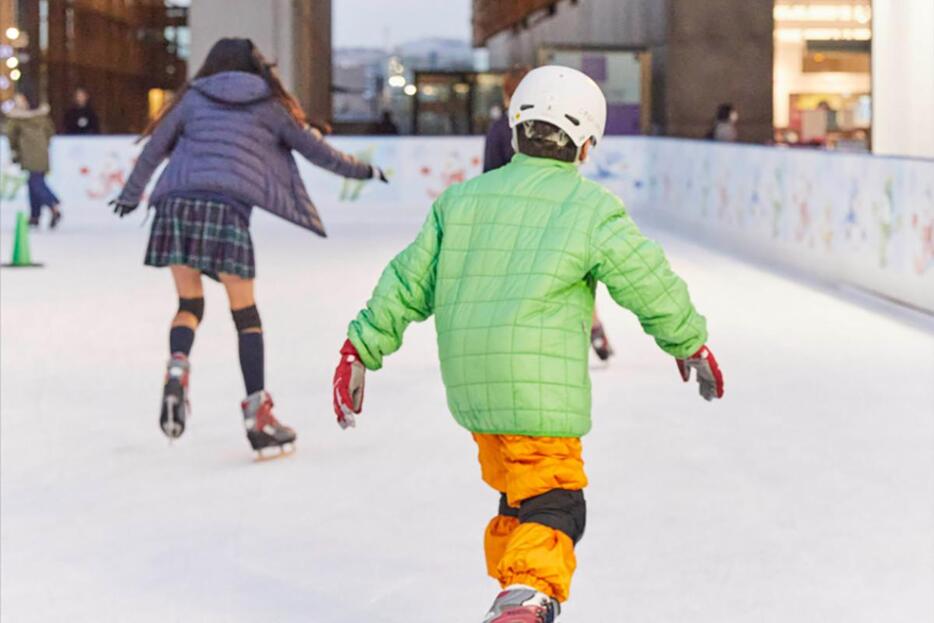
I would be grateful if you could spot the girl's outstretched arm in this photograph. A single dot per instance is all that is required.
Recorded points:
(311, 145)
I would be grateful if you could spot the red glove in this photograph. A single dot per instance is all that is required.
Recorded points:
(349, 380)
(708, 372)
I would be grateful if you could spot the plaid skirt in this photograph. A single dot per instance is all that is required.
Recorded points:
(207, 235)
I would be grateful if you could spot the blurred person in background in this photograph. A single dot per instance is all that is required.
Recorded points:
(30, 130)
(229, 136)
(830, 114)
(498, 150)
(80, 118)
(724, 125)
(386, 125)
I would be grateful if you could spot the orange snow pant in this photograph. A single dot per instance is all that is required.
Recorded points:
(531, 540)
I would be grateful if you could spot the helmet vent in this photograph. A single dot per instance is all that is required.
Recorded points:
(526, 106)
(573, 120)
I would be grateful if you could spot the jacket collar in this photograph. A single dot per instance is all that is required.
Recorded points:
(532, 161)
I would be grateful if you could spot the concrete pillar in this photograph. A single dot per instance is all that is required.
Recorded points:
(267, 23)
(903, 77)
(312, 36)
(719, 51)
(294, 33)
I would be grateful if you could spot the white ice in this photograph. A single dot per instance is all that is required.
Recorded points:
(806, 495)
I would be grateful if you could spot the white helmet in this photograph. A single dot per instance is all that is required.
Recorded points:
(564, 97)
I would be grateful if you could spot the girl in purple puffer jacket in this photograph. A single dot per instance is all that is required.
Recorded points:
(229, 136)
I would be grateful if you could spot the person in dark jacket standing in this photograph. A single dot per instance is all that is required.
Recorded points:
(80, 118)
(30, 131)
(229, 136)
(498, 151)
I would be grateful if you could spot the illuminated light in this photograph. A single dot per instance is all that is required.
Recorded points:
(4, 83)
(410, 89)
(12, 33)
(16, 75)
(819, 58)
(6, 50)
(462, 88)
(822, 13)
(823, 34)
(12, 62)
(7, 106)
(397, 81)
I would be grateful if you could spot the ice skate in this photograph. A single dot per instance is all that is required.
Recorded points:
(263, 430)
(600, 344)
(175, 397)
(56, 218)
(523, 604)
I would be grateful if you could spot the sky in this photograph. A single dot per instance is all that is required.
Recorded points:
(379, 23)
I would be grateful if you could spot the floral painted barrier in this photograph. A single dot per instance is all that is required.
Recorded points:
(857, 219)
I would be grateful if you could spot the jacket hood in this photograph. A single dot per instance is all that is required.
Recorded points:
(19, 113)
(233, 87)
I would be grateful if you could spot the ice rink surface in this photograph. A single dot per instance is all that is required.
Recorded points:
(806, 495)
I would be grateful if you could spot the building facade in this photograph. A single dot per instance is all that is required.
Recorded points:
(701, 53)
(127, 55)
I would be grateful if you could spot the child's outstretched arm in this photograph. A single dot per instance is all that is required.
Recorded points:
(404, 294)
(638, 277)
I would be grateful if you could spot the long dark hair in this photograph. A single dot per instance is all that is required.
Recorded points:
(237, 54)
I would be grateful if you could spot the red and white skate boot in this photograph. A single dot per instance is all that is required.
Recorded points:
(263, 430)
(175, 407)
(523, 604)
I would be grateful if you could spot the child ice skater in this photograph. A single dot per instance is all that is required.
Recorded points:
(508, 263)
(229, 137)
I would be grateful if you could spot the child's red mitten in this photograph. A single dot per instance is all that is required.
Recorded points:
(349, 381)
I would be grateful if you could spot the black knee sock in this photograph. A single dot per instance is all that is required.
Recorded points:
(252, 362)
(181, 339)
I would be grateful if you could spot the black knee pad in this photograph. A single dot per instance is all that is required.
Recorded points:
(560, 509)
(195, 307)
(505, 509)
(246, 318)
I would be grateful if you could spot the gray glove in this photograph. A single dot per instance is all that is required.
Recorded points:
(708, 373)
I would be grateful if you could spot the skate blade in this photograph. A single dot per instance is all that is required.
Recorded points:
(274, 453)
(172, 428)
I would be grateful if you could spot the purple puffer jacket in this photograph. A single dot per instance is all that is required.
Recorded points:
(228, 136)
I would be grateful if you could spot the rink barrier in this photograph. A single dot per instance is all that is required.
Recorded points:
(852, 218)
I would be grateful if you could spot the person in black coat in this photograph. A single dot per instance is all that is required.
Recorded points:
(80, 118)
(498, 150)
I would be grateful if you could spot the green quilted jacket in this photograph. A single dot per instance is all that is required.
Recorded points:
(508, 263)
